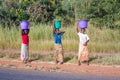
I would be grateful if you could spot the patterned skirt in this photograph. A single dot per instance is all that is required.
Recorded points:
(24, 51)
(83, 53)
(58, 54)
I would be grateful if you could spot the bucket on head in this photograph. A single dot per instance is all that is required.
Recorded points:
(24, 24)
(83, 23)
(57, 24)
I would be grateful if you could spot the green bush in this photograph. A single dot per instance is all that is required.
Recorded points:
(101, 13)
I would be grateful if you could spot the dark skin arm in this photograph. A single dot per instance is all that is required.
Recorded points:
(86, 43)
(62, 32)
(22, 32)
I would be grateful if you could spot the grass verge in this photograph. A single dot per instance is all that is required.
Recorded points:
(110, 59)
(41, 38)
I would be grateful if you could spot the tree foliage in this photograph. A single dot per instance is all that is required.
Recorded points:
(105, 13)
(102, 13)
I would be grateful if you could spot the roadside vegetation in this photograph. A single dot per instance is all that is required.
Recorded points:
(103, 28)
(99, 59)
(41, 38)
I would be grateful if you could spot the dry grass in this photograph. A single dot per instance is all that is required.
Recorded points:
(105, 40)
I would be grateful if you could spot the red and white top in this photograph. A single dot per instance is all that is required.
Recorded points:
(25, 39)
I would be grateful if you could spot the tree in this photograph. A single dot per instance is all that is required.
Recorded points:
(104, 12)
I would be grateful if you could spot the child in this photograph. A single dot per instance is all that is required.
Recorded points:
(25, 45)
(83, 49)
(58, 55)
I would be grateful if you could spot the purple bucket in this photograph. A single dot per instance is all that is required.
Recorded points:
(83, 23)
(24, 24)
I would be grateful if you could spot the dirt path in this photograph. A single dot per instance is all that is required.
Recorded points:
(49, 66)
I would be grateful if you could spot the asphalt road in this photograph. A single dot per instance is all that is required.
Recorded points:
(23, 74)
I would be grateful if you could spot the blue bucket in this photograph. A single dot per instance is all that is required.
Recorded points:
(83, 23)
(24, 24)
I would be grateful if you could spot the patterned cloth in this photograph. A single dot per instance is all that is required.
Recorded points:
(83, 53)
(24, 51)
(58, 55)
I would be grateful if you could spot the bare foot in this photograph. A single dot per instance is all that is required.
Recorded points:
(88, 63)
(60, 63)
(56, 62)
(79, 63)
